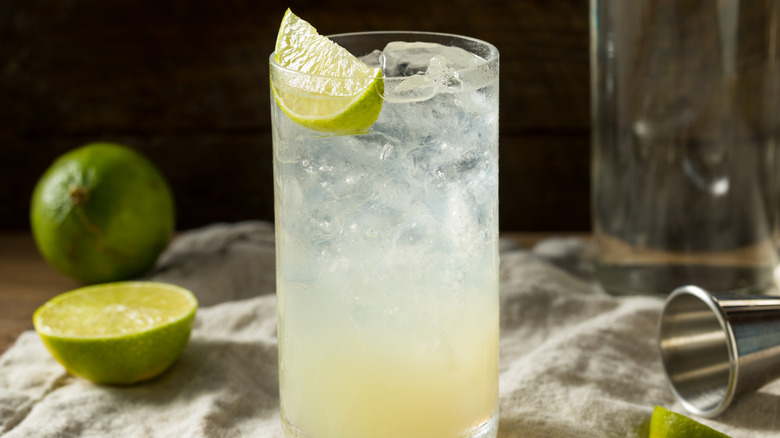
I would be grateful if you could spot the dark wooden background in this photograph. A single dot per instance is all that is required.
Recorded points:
(186, 83)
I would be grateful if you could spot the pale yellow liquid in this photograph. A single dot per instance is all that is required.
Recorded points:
(435, 376)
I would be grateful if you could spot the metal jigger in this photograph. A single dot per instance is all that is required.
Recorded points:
(717, 346)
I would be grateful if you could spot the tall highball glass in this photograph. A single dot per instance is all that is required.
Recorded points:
(387, 251)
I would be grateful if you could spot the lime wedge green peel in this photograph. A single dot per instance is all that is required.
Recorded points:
(321, 85)
(668, 424)
(117, 333)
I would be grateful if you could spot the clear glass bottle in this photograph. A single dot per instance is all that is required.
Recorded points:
(684, 160)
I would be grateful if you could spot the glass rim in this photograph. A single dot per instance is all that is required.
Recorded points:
(491, 49)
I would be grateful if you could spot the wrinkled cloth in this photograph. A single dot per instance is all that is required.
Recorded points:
(575, 362)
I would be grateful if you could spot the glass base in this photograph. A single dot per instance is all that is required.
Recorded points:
(488, 429)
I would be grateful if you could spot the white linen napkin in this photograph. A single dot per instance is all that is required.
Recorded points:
(575, 362)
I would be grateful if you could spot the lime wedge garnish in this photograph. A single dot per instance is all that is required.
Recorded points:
(321, 85)
(668, 424)
(117, 333)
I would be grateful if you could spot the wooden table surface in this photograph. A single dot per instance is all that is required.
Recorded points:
(27, 281)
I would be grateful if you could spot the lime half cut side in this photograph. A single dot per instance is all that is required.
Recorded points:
(117, 333)
(319, 84)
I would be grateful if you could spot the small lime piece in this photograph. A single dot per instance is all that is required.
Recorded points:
(321, 85)
(117, 333)
(102, 213)
(668, 424)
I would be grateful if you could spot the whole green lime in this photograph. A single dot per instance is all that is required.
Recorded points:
(102, 213)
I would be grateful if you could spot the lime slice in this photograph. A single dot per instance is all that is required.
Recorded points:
(668, 424)
(321, 85)
(117, 333)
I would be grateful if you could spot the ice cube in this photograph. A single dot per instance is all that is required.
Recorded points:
(413, 89)
(408, 59)
(428, 67)
(373, 59)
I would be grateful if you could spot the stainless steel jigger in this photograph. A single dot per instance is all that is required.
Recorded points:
(715, 347)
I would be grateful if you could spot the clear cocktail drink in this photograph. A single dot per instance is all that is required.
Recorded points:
(387, 251)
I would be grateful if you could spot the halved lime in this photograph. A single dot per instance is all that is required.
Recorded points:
(668, 424)
(320, 85)
(118, 333)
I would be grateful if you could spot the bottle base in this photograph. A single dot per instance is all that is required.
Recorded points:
(661, 280)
